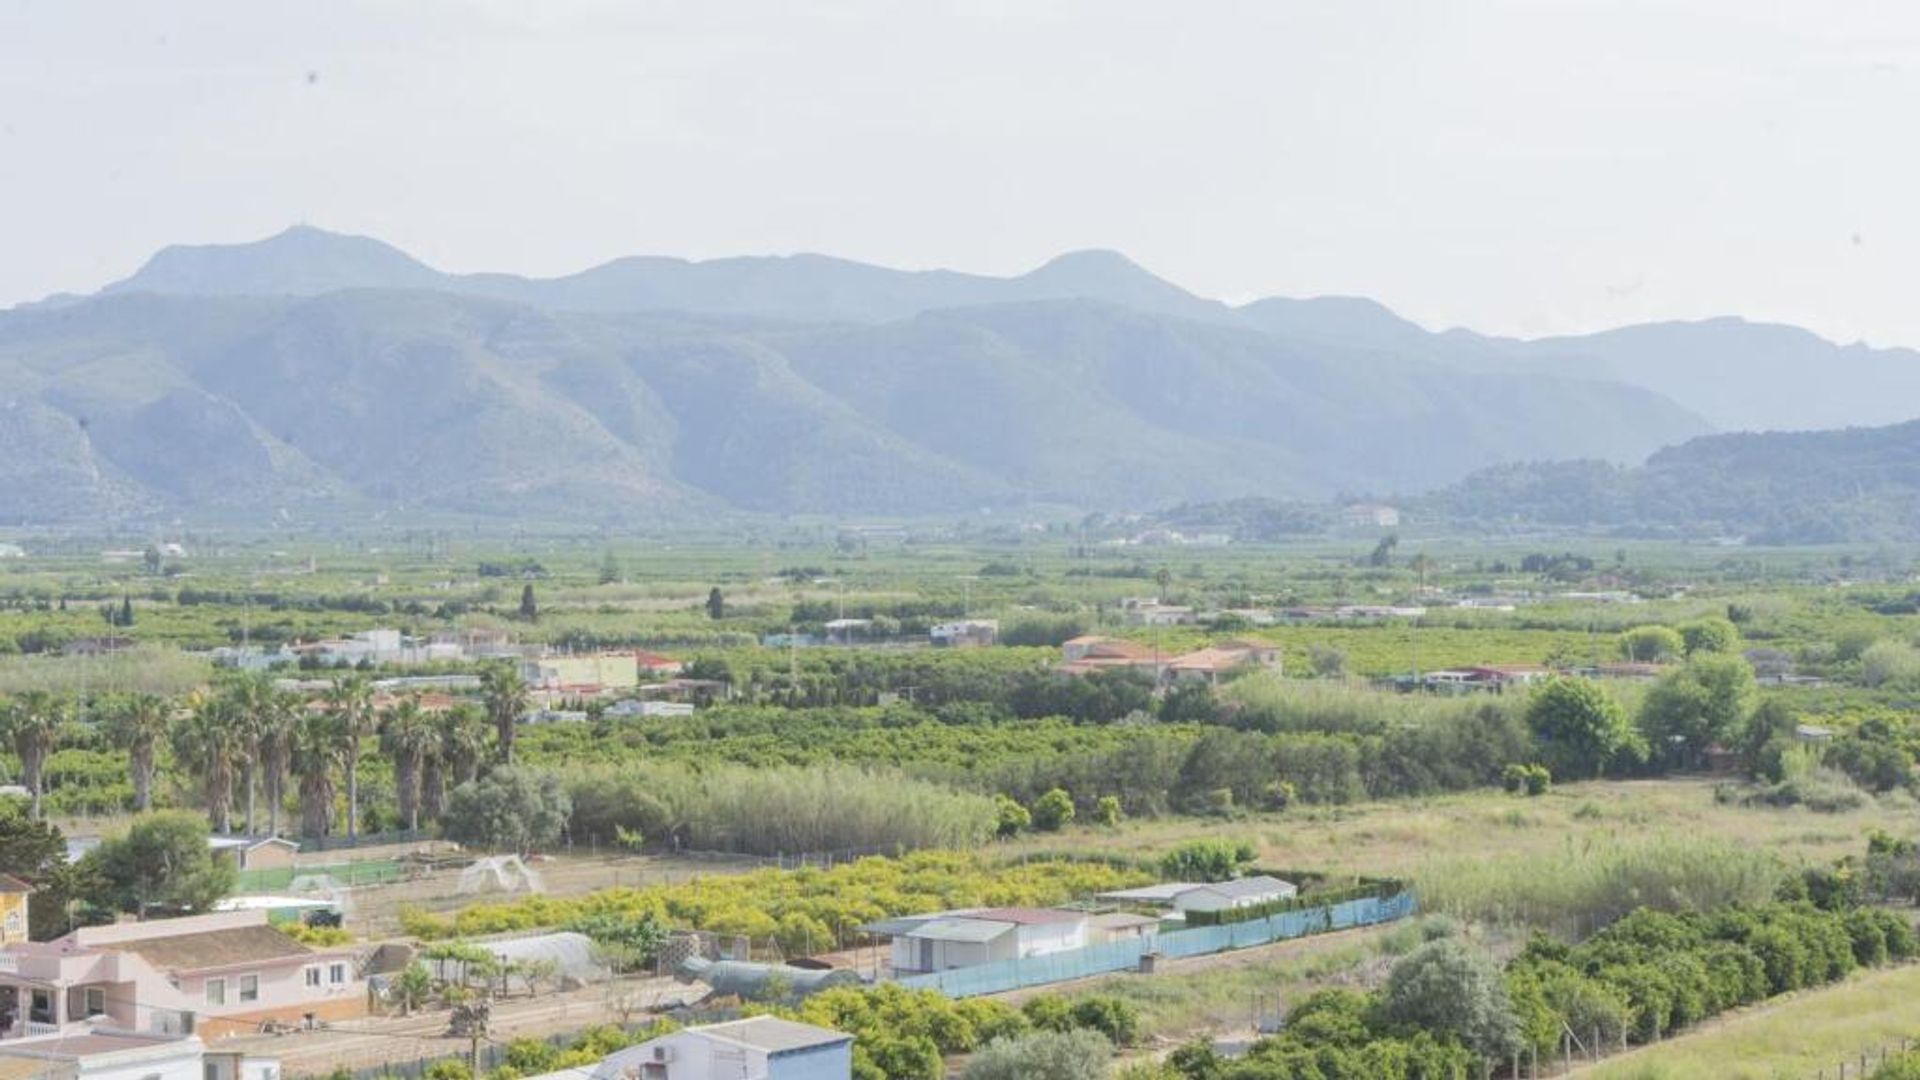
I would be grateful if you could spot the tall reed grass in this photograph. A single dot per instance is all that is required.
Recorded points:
(1581, 888)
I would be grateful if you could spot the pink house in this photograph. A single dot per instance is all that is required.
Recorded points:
(210, 975)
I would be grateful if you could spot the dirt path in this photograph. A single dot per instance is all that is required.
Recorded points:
(370, 1041)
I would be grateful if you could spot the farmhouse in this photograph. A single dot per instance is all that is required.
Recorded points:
(1211, 664)
(958, 939)
(1147, 611)
(211, 975)
(1090, 653)
(758, 1047)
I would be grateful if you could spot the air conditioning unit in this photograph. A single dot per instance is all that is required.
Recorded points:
(662, 1054)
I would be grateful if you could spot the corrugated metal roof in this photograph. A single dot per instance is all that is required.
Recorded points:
(961, 929)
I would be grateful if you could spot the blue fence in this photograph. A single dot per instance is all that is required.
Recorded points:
(1004, 975)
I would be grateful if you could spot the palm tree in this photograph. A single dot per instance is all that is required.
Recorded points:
(272, 730)
(506, 694)
(351, 702)
(313, 751)
(249, 701)
(30, 724)
(207, 738)
(459, 744)
(137, 723)
(405, 735)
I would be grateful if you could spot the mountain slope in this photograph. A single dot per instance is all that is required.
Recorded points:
(1736, 375)
(1777, 487)
(429, 400)
(1747, 376)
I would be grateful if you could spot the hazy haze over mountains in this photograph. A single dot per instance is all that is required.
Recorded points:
(313, 371)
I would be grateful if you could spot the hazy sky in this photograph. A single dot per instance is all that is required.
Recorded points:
(1520, 167)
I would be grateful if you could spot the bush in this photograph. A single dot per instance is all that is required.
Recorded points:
(1890, 663)
(1206, 860)
(1010, 818)
(1107, 811)
(1113, 1017)
(1053, 811)
(1448, 988)
(1713, 634)
(508, 810)
(1043, 1055)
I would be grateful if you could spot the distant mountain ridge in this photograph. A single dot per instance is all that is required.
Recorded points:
(312, 371)
(1736, 375)
(1853, 484)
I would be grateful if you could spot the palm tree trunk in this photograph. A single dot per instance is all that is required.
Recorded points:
(353, 789)
(143, 778)
(433, 787)
(35, 766)
(252, 784)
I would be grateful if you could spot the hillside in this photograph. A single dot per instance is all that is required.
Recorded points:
(1796, 487)
(135, 403)
(1735, 375)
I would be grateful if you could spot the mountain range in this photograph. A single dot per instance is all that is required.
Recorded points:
(312, 372)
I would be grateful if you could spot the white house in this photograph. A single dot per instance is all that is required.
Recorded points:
(965, 632)
(756, 1048)
(104, 1053)
(958, 939)
(1185, 896)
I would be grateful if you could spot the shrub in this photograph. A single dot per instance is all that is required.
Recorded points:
(1890, 663)
(1449, 988)
(1043, 1055)
(1713, 634)
(1206, 860)
(1010, 818)
(1113, 1017)
(1053, 811)
(1539, 780)
(1107, 811)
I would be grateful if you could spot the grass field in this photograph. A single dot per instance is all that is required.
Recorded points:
(1792, 1039)
(1421, 838)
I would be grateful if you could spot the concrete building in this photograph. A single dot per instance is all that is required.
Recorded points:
(582, 673)
(210, 975)
(756, 1048)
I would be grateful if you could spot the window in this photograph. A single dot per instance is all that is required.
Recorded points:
(96, 1000)
(313, 976)
(336, 973)
(13, 921)
(40, 1007)
(210, 1071)
(216, 991)
(249, 988)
